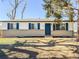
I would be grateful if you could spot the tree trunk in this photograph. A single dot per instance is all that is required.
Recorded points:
(78, 28)
(72, 29)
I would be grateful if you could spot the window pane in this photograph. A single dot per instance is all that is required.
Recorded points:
(11, 26)
(62, 26)
(32, 26)
(35, 26)
(57, 26)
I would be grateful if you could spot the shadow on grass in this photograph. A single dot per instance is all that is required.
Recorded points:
(77, 50)
(70, 45)
(31, 53)
(3, 55)
(29, 44)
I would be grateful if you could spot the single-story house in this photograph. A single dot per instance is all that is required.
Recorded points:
(35, 28)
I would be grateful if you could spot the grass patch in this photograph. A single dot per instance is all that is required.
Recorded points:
(13, 40)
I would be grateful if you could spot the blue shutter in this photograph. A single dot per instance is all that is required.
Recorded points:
(38, 26)
(53, 26)
(8, 26)
(17, 25)
(29, 25)
(67, 26)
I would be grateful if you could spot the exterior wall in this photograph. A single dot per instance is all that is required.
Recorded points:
(71, 26)
(51, 26)
(42, 26)
(7, 33)
(24, 31)
(75, 27)
(1, 33)
(3, 25)
(23, 25)
(62, 33)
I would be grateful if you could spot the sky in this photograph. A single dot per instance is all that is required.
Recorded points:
(34, 9)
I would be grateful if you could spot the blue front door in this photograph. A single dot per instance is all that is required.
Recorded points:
(47, 29)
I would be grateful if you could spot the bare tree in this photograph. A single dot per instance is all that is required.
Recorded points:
(22, 13)
(14, 6)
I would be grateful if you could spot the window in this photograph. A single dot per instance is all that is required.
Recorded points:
(60, 26)
(9, 26)
(31, 26)
(34, 26)
(57, 26)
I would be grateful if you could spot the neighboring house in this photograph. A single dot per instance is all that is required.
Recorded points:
(35, 28)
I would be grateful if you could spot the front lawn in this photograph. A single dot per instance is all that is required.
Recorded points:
(58, 51)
